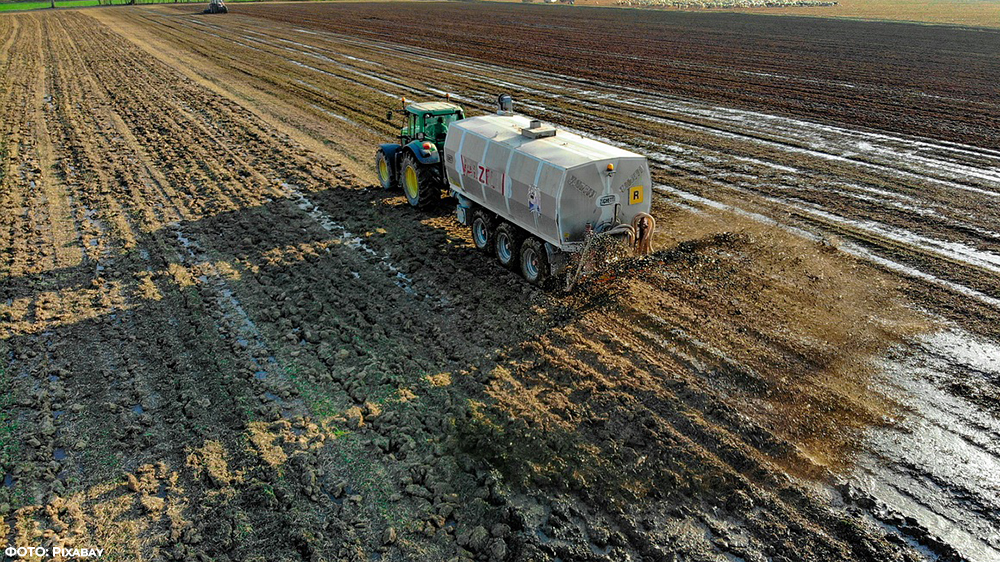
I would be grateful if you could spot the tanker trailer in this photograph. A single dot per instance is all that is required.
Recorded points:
(534, 194)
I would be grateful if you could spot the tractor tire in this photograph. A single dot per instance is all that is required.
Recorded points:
(535, 262)
(483, 230)
(507, 244)
(383, 169)
(421, 184)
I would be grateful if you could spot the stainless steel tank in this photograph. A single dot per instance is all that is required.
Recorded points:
(550, 182)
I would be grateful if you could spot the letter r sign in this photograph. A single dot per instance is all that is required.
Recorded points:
(635, 195)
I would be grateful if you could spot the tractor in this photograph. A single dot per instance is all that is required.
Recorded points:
(415, 162)
(216, 7)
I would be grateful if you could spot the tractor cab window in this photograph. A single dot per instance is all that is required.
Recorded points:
(436, 126)
(413, 124)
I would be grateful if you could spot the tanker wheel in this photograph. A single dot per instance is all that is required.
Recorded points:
(534, 262)
(384, 171)
(421, 184)
(482, 230)
(507, 243)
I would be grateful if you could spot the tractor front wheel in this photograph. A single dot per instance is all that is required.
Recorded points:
(534, 261)
(421, 184)
(384, 171)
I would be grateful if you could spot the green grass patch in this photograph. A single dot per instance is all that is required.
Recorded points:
(370, 479)
(10, 6)
(10, 444)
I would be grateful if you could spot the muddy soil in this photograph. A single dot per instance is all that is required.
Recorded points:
(221, 342)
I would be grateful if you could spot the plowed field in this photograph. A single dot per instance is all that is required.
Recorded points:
(220, 341)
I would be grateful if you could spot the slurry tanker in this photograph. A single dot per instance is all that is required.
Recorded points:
(533, 195)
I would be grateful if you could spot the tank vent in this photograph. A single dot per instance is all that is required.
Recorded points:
(536, 130)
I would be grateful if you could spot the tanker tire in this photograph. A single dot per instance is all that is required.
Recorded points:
(383, 169)
(482, 226)
(535, 262)
(507, 244)
(421, 184)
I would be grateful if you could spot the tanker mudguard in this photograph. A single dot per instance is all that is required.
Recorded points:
(417, 148)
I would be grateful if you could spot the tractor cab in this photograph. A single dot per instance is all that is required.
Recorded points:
(428, 121)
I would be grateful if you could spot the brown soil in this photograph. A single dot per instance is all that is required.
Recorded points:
(221, 342)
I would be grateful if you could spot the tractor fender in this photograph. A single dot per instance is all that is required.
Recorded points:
(390, 150)
(424, 156)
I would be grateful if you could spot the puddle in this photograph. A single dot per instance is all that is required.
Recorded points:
(137, 409)
(542, 537)
(9, 481)
(941, 464)
(954, 251)
(59, 454)
(236, 316)
(337, 115)
(348, 492)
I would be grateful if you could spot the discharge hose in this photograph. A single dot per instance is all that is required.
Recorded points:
(643, 225)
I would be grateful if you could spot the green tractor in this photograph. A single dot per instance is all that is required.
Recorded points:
(415, 162)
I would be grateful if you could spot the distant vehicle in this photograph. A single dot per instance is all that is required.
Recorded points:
(216, 7)
(532, 194)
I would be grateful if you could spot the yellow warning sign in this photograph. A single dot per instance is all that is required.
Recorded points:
(635, 195)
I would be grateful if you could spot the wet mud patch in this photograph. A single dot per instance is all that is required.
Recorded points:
(765, 317)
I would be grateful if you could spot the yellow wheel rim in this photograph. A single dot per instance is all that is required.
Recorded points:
(383, 172)
(412, 187)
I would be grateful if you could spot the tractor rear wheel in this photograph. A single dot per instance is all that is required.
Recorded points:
(421, 184)
(482, 230)
(384, 171)
(534, 262)
(507, 242)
